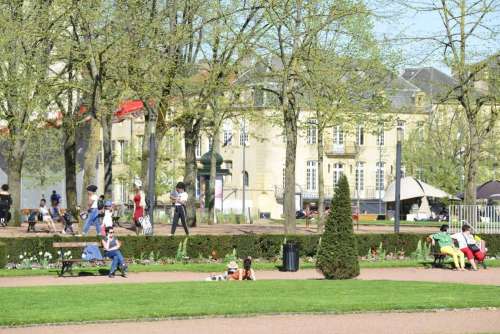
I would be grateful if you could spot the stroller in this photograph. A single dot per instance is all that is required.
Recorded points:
(68, 221)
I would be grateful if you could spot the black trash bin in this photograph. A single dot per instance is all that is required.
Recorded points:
(290, 257)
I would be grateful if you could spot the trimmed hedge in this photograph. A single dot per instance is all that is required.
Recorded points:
(257, 246)
(3, 255)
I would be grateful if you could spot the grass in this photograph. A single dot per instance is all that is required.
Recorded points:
(220, 267)
(56, 304)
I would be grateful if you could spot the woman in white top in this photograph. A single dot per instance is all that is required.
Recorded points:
(467, 244)
(46, 218)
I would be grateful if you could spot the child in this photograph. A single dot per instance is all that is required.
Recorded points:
(107, 221)
(46, 218)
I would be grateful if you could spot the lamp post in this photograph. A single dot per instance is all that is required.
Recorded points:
(399, 136)
(243, 172)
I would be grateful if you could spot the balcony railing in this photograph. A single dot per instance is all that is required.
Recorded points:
(340, 150)
(366, 193)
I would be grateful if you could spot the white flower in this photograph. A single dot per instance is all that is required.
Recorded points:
(21, 257)
(24, 253)
(40, 253)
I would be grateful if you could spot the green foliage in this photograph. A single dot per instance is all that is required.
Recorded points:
(338, 255)
(231, 257)
(422, 252)
(257, 246)
(181, 253)
(3, 255)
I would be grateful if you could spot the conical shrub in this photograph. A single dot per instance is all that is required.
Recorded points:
(338, 255)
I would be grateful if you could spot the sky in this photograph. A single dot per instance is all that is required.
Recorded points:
(400, 25)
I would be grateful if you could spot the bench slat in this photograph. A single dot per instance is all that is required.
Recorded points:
(73, 244)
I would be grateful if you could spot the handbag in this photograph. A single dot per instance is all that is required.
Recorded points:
(473, 247)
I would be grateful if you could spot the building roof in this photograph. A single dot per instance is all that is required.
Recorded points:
(436, 84)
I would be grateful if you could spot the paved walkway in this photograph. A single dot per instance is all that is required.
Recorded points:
(490, 276)
(260, 227)
(457, 322)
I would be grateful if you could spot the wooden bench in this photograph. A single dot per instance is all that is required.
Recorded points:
(67, 264)
(440, 257)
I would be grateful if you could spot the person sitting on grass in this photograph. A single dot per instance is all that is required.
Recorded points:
(247, 273)
(447, 247)
(111, 247)
(46, 218)
(468, 246)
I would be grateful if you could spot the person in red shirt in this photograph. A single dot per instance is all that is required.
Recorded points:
(139, 205)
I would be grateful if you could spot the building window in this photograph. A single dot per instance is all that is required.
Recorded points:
(311, 175)
(338, 135)
(379, 177)
(312, 132)
(245, 178)
(122, 150)
(380, 137)
(228, 133)
(198, 148)
(360, 175)
(420, 130)
(338, 171)
(140, 140)
(420, 174)
(360, 135)
(243, 134)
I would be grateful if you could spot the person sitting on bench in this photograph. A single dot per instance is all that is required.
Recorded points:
(44, 212)
(447, 247)
(468, 246)
(111, 247)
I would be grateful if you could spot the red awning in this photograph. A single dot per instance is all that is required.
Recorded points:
(128, 107)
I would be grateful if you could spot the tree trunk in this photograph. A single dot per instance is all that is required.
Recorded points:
(191, 134)
(145, 150)
(70, 163)
(90, 160)
(472, 166)
(15, 166)
(321, 182)
(290, 123)
(213, 174)
(107, 124)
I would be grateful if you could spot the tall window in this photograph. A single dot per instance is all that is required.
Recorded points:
(360, 135)
(140, 140)
(122, 150)
(312, 132)
(228, 133)
(338, 170)
(338, 135)
(360, 175)
(198, 148)
(311, 175)
(243, 134)
(420, 130)
(245, 178)
(379, 176)
(380, 137)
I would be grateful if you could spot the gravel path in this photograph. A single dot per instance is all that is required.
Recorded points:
(260, 227)
(456, 322)
(490, 276)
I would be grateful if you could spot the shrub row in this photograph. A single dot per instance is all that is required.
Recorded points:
(257, 246)
(3, 255)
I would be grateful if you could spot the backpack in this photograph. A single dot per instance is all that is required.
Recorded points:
(5, 202)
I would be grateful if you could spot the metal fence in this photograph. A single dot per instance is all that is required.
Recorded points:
(484, 219)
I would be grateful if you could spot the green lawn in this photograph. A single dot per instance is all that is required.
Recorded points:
(219, 267)
(54, 304)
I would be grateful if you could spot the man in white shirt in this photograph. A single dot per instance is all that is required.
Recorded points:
(179, 198)
(467, 244)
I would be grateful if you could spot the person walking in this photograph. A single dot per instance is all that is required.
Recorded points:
(179, 199)
(93, 211)
(5, 204)
(139, 205)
